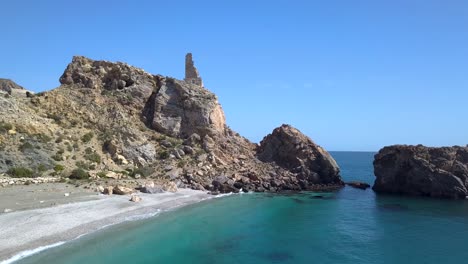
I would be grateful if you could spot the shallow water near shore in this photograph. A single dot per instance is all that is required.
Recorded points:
(347, 226)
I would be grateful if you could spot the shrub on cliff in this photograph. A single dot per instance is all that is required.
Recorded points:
(20, 172)
(79, 174)
(87, 137)
(4, 127)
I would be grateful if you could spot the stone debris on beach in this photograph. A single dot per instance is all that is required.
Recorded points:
(109, 190)
(122, 190)
(6, 181)
(135, 198)
(100, 189)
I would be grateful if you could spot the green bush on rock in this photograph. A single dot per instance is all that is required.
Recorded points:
(79, 174)
(20, 172)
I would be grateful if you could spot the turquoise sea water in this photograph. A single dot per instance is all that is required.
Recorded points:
(348, 226)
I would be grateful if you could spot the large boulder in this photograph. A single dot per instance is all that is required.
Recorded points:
(422, 171)
(294, 151)
(180, 109)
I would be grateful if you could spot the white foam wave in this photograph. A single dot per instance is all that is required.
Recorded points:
(27, 253)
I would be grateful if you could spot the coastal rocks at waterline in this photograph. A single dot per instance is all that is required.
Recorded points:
(422, 171)
(133, 125)
(358, 185)
(297, 153)
(151, 187)
(135, 198)
(122, 190)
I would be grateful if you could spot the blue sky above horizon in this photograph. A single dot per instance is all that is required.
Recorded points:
(352, 75)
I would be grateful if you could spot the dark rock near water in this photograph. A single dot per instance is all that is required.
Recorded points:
(358, 185)
(294, 151)
(422, 171)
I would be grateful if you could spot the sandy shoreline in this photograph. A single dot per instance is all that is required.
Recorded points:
(30, 229)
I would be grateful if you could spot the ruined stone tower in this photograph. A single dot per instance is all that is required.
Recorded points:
(191, 73)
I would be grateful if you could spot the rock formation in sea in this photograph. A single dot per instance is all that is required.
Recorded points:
(115, 122)
(294, 151)
(422, 171)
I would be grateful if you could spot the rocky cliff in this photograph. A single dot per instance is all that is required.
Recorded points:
(297, 153)
(422, 171)
(7, 85)
(114, 121)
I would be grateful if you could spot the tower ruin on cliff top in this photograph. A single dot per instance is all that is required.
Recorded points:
(191, 73)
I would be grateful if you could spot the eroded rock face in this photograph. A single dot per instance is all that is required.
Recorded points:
(86, 73)
(422, 171)
(294, 151)
(8, 85)
(180, 109)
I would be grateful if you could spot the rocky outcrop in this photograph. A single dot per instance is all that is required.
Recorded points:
(120, 125)
(8, 86)
(294, 151)
(180, 109)
(104, 75)
(422, 171)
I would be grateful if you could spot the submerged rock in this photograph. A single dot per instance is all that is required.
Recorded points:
(422, 171)
(358, 185)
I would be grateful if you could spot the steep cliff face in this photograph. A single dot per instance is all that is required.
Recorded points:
(115, 120)
(180, 109)
(422, 171)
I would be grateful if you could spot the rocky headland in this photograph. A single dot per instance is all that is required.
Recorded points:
(114, 125)
(422, 171)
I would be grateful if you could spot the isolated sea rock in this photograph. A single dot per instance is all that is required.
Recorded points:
(183, 108)
(422, 171)
(294, 151)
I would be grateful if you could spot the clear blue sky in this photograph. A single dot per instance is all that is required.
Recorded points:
(352, 75)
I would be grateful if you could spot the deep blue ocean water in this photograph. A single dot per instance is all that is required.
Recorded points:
(348, 226)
